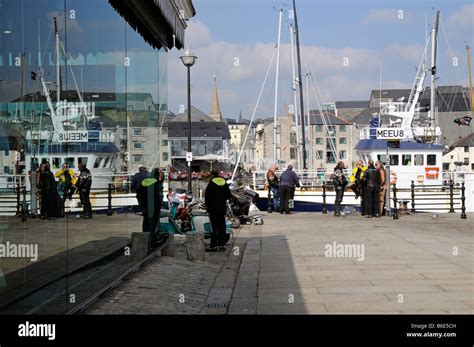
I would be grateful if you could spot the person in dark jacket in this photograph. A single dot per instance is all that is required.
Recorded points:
(47, 187)
(150, 200)
(372, 185)
(288, 181)
(84, 185)
(340, 183)
(216, 196)
(274, 187)
(139, 177)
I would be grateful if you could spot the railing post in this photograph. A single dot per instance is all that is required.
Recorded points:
(24, 209)
(17, 197)
(451, 196)
(395, 208)
(463, 201)
(324, 198)
(412, 196)
(109, 207)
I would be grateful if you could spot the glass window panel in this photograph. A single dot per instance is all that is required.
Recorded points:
(406, 159)
(419, 159)
(394, 159)
(431, 159)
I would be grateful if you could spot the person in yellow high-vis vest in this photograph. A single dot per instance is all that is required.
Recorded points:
(357, 183)
(67, 182)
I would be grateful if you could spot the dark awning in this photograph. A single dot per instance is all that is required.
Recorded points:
(155, 20)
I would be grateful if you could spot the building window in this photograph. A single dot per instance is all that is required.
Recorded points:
(394, 159)
(342, 141)
(330, 158)
(419, 160)
(293, 138)
(342, 128)
(165, 156)
(293, 153)
(319, 140)
(472, 167)
(342, 155)
(406, 159)
(137, 158)
(319, 155)
(331, 130)
(164, 143)
(445, 166)
(319, 128)
(137, 132)
(431, 159)
(137, 145)
(466, 149)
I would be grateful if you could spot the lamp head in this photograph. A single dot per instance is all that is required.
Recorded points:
(188, 58)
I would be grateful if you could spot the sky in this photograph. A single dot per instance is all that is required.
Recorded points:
(347, 47)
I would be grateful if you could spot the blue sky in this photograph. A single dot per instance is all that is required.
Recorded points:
(369, 33)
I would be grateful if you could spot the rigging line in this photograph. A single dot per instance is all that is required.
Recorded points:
(323, 113)
(253, 115)
(451, 52)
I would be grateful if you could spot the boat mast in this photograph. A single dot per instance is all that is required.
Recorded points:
(300, 82)
(295, 107)
(275, 159)
(468, 49)
(434, 43)
(58, 69)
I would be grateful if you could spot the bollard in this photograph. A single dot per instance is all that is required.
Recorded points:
(451, 196)
(270, 201)
(463, 201)
(109, 197)
(324, 198)
(395, 209)
(412, 197)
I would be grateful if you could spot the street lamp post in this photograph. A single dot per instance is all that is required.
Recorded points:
(188, 60)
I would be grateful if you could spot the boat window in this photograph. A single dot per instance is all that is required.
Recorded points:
(406, 159)
(394, 159)
(106, 162)
(431, 159)
(419, 159)
(82, 160)
(97, 162)
(56, 163)
(382, 158)
(71, 162)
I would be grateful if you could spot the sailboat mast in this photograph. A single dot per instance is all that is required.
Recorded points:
(275, 159)
(468, 49)
(295, 107)
(300, 81)
(434, 43)
(58, 70)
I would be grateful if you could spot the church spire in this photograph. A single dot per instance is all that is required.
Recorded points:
(215, 108)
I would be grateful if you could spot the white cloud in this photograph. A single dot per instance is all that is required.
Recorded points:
(462, 18)
(385, 15)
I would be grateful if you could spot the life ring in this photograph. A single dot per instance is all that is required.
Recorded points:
(432, 173)
(393, 177)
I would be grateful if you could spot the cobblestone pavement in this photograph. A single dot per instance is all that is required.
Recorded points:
(417, 264)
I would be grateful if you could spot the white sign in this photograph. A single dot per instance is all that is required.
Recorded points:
(390, 133)
(189, 156)
(73, 136)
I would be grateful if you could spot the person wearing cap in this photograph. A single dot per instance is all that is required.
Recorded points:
(215, 198)
(288, 181)
(340, 183)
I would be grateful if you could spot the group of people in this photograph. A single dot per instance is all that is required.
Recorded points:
(369, 183)
(53, 194)
(282, 188)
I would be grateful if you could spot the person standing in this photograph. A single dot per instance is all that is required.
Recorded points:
(288, 181)
(84, 185)
(150, 200)
(67, 181)
(215, 198)
(340, 183)
(372, 186)
(357, 185)
(47, 187)
(383, 186)
(274, 186)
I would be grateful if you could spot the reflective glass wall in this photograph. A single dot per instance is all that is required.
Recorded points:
(78, 86)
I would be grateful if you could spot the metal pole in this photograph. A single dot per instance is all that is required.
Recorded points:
(395, 209)
(300, 81)
(324, 198)
(451, 196)
(310, 131)
(434, 42)
(276, 92)
(413, 197)
(463, 201)
(189, 129)
(295, 107)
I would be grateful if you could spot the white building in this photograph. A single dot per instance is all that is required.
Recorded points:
(460, 156)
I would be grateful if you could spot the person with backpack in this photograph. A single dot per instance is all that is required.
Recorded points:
(372, 188)
(149, 195)
(84, 185)
(340, 183)
(216, 196)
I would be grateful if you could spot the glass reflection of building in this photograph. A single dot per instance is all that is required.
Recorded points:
(116, 72)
